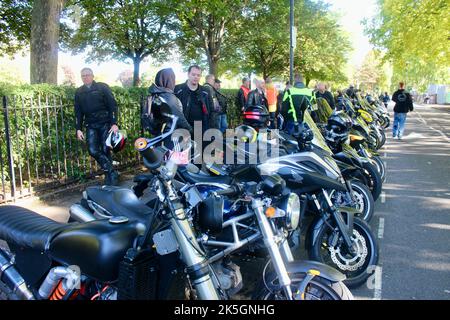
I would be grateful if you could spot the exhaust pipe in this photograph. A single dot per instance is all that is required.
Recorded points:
(12, 278)
(80, 213)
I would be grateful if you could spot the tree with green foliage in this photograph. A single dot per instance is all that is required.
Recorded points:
(205, 27)
(15, 25)
(123, 30)
(415, 37)
(265, 45)
(322, 46)
(371, 75)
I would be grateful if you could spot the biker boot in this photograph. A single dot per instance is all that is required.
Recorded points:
(107, 181)
(111, 178)
(114, 176)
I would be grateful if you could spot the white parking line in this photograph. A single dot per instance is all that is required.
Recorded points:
(378, 283)
(383, 197)
(381, 228)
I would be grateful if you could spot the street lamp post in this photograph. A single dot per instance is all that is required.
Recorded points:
(292, 42)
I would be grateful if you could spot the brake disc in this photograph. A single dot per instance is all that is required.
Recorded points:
(359, 199)
(350, 263)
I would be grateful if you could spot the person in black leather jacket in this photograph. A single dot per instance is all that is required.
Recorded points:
(196, 100)
(96, 107)
(162, 101)
(257, 97)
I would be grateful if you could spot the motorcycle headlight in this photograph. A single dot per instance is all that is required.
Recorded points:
(291, 206)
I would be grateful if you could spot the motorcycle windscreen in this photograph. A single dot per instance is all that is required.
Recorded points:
(318, 139)
(323, 110)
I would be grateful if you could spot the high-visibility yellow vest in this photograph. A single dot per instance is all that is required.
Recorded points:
(306, 92)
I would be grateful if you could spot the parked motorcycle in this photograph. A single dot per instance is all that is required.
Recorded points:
(220, 234)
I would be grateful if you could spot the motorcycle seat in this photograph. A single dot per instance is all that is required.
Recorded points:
(27, 228)
(119, 201)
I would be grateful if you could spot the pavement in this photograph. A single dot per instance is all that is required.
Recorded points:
(412, 216)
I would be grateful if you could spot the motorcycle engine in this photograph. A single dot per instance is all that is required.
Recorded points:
(229, 275)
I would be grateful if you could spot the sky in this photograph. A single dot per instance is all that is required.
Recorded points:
(352, 11)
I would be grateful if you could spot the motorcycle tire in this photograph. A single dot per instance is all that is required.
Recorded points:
(374, 177)
(383, 138)
(364, 199)
(377, 140)
(318, 289)
(357, 268)
(380, 167)
(387, 122)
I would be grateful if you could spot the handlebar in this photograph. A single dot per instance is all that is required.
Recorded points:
(232, 191)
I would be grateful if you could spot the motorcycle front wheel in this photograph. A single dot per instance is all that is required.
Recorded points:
(380, 167)
(364, 200)
(318, 289)
(374, 177)
(329, 248)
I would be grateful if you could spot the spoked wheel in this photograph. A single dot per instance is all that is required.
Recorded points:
(318, 289)
(329, 248)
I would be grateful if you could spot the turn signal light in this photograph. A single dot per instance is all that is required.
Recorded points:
(270, 212)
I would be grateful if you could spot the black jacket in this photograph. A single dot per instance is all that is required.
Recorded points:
(216, 107)
(164, 101)
(223, 101)
(256, 98)
(95, 105)
(241, 100)
(182, 92)
(403, 101)
(327, 96)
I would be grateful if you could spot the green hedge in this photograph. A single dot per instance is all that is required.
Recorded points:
(42, 135)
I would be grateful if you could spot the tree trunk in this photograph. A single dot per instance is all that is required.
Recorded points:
(137, 64)
(213, 65)
(44, 41)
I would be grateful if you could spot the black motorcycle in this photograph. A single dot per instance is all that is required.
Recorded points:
(220, 234)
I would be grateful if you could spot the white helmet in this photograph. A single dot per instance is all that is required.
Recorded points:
(116, 141)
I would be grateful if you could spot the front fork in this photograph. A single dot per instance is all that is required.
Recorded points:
(271, 245)
(192, 255)
(345, 229)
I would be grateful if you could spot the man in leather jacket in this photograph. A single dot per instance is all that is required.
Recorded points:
(96, 108)
(257, 97)
(196, 100)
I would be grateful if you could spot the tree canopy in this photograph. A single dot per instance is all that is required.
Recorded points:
(15, 25)
(415, 37)
(123, 30)
(322, 45)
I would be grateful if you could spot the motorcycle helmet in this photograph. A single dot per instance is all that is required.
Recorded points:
(116, 140)
(334, 136)
(338, 127)
(340, 120)
(256, 116)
